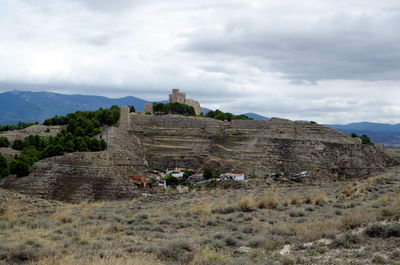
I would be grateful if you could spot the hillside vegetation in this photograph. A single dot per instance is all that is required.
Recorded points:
(78, 136)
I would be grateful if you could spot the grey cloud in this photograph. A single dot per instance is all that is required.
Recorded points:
(362, 47)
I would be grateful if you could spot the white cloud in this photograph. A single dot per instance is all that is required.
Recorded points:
(330, 61)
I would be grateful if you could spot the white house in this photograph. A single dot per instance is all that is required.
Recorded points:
(232, 176)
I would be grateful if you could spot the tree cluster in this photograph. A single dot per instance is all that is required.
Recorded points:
(78, 136)
(173, 108)
(226, 116)
(208, 173)
(87, 119)
(19, 126)
(364, 138)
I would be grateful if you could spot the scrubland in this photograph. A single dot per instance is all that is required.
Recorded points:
(324, 222)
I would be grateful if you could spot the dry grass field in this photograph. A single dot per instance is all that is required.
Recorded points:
(343, 222)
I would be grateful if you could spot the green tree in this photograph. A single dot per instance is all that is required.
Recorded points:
(69, 146)
(4, 142)
(132, 108)
(4, 171)
(19, 168)
(95, 145)
(207, 173)
(18, 144)
(171, 180)
(366, 140)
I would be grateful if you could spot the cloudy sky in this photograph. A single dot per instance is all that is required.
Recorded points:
(329, 61)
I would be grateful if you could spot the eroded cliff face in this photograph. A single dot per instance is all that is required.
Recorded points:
(260, 147)
(161, 142)
(90, 175)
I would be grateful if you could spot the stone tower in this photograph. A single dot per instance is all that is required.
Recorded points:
(179, 97)
(124, 120)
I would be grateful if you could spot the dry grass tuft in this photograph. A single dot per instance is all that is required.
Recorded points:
(262, 204)
(114, 227)
(245, 204)
(294, 200)
(309, 199)
(355, 219)
(272, 201)
(285, 203)
(385, 198)
(315, 230)
(257, 225)
(62, 214)
(9, 213)
(320, 199)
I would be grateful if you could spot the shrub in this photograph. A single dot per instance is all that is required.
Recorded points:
(208, 173)
(230, 241)
(175, 249)
(4, 171)
(378, 259)
(4, 142)
(18, 144)
(378, 230)
(256, 242)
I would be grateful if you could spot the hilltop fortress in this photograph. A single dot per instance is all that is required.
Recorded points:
(179, 97)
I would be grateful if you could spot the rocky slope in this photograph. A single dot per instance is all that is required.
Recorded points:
(161, 142)
(91, 175)
(259, 147)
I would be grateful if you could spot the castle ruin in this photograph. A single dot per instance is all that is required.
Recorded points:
(179, 97)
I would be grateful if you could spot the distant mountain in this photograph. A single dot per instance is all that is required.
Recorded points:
(256, 116)
(28, 106)
(388, 134)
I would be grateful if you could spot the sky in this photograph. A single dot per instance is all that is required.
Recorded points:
(327, 61)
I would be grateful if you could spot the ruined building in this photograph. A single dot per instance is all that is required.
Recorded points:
(179, 97)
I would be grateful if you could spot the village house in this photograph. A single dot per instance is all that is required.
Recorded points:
(232, 176)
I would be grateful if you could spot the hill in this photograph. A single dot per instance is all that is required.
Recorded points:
(29, 106)
(256, 116)
(388, 134)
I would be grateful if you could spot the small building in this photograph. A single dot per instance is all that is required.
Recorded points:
(232, 176)
(140, 180)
